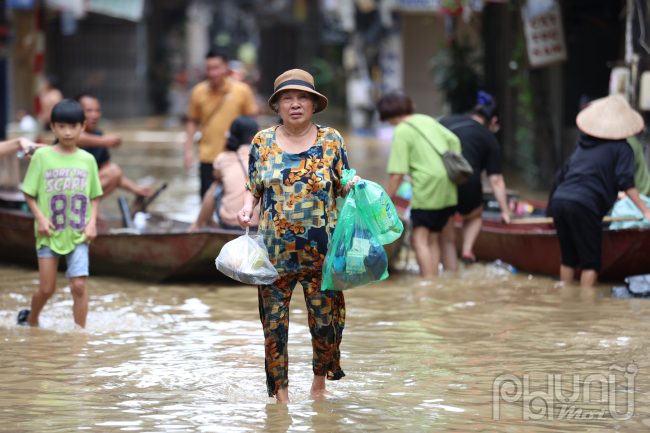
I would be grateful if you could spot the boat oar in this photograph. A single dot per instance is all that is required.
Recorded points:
(126, 214)
(549, 220)
(140, 204)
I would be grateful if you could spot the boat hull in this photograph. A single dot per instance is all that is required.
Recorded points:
(536, 249)
(156, 256)
(162, 256)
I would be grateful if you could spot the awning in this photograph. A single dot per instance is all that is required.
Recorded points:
(447, 7)
(126, 9)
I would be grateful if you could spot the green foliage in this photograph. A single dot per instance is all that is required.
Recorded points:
(453, 4)
(457, 71)
(526, 119)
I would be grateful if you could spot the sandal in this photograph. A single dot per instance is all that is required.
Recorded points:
(468, 260)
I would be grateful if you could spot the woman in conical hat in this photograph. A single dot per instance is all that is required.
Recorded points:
(602, 165)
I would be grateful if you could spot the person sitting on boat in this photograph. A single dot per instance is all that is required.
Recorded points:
(294, 172)
(221, 205)
(601, 166)
(94, 141)
(476, 131)
(17, 144)
(435, 196)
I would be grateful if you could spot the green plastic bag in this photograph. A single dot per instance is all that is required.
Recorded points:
(375, 204)
(355, 257)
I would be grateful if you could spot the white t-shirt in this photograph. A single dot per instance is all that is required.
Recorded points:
(28, 123)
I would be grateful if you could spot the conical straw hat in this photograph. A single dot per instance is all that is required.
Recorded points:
(610, 118)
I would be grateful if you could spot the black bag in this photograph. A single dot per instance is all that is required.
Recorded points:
(458, 169)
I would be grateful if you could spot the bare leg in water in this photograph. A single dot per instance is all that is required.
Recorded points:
(567, 274)
(317, 391)
(448, 254)
(472, 224)
(588, 278)
(427, 250)
(318, 387)
(282, 396)
(47, 268)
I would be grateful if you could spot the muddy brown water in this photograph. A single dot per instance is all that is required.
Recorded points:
(419, 355)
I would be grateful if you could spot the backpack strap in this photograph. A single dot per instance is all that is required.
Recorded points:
(423, 136)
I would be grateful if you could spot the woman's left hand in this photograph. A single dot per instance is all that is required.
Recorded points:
(350, 184)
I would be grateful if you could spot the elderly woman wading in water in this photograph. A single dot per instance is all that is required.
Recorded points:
(295, 170)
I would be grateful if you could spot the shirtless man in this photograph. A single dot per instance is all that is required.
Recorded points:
(48, 96)
(93, 140)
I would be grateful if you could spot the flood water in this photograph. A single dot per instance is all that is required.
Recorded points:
(419, 355)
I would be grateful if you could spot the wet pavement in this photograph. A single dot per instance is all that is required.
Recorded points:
(419, 355)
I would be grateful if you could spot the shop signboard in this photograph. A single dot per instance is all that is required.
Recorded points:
(545, 41)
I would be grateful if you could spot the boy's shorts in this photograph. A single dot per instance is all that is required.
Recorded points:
(76, 259)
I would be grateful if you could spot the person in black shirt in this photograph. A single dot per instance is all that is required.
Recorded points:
(476, 132)
(92, 140)
(601, 166)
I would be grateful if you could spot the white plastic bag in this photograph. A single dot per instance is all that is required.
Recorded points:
(245, 259)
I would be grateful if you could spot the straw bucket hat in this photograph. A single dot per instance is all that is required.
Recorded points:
(610, 118)
(299, 80)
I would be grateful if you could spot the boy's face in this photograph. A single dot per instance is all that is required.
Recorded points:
(68, 133)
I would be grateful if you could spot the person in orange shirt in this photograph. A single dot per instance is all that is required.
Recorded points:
(214, 104)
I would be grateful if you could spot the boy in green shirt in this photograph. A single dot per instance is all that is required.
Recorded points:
(62, 188)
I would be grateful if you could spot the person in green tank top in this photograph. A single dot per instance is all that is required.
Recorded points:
(62, 190)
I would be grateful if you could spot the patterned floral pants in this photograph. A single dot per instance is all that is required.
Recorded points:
(326, 313)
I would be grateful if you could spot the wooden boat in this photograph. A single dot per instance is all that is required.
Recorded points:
(164, 251)
(535, 248)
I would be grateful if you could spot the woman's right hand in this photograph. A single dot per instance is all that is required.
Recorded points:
(244, 217)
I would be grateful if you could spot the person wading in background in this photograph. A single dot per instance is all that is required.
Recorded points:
(214, 104)
(476, 132)
(434, 195)
(601, 166)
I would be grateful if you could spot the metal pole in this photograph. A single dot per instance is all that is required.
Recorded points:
(629, 44)
(4, 89)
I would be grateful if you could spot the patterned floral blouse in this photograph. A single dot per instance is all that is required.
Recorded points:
(297, 194)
